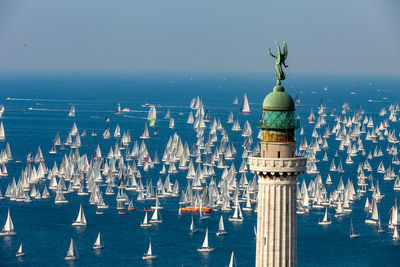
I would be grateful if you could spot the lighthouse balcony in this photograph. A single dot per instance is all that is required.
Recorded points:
(296, 165)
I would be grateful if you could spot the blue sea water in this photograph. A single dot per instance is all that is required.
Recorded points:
(37, 105)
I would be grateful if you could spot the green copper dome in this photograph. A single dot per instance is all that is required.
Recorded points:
(278, 100)
(278, 111)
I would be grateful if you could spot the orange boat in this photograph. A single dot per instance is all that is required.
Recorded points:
(196, 209)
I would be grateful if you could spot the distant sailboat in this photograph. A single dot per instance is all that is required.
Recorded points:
(145, 134)
(221, 228)
(118, 109)
(395, 234)
(20, 253)
(2, 133)
(244, 107)
(8, 228)
(192, 228)
(72, 111)
(232, 262)
(237, 215)
(352, 234)
(145, 222)
(98, 244)
(156, 218)
(80, 220)
(235, 101)
(325, 220)
(152, 115)
(204, 247)
(149, 255)
(171, 123)
(72, 253)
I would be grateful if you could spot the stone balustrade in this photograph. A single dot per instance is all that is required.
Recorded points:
(295, 165)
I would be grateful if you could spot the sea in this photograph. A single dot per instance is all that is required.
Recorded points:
(36, 108)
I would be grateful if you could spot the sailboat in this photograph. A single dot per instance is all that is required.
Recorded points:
(145, 222)
(237, 215)
(244, 107)
(152, 115)
(232, 262)
(352, 234)
(145, 134)
(221, 228)
(53, 149)
(325, 219)
(380, 229)
(149, 255)
(72, 111)
(375, 215)
(20, 253)
(8, 228)
(395, 234)
(171, 123)
(98, 244)
(192, 228)
(156, 218)
(80, 220)
(2, 133)
(118, 109)
(204, 247)
(72, 253)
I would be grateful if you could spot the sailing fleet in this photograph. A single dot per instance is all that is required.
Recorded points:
(211, 182)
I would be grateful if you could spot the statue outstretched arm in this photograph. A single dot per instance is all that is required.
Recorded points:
(272, 55)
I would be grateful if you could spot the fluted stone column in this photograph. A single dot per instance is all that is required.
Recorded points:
(276, 243)
(276, 221)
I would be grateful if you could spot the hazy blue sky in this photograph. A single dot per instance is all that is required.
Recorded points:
(324, 36)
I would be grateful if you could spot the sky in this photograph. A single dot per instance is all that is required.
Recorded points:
(329, 36)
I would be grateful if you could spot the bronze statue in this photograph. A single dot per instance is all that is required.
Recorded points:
(279, 61)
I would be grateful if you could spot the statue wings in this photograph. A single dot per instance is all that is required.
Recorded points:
(285, 51)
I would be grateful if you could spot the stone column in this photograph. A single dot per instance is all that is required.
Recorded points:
(276, 221)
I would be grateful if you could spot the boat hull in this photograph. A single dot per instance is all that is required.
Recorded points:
(7, 233)
(205, 249)
(70, 258)
(221, 233)
(149, 257)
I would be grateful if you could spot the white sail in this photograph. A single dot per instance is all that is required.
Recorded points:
(149, 252)
(152, 114)
(395, 234)
(81, 219)
(232, 262)
(72, 111)
(145, 134)
(325, 219)
(71, 251)
(245, 108)
(192, 225)
(221, 227)
(98, 244)
(2, 134)
(205, 242)
(8, 228)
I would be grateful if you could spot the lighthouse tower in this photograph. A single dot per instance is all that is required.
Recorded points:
(277, 168)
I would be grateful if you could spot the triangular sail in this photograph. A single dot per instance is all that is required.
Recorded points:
(205, 242)
(149, 252)
(221, 226)
(71, 252)
(8, 226)
(98, 240)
